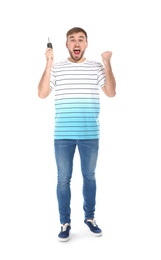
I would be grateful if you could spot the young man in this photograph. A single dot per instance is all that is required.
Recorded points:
(76, 82)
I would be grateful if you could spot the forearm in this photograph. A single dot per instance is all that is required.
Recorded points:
(110, 85)
(44, 84)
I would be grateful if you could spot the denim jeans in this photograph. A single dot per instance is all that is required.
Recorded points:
(64, 155)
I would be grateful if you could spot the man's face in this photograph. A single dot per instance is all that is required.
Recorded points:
(76, 45)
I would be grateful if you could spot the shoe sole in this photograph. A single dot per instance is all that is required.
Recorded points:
(63, 239)
(94, 234)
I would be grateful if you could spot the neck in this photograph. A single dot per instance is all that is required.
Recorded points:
(76, 61)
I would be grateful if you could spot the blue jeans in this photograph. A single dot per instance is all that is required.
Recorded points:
(64, 154)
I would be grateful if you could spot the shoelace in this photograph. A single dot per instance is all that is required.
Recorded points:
(64, 227)
(93, 222)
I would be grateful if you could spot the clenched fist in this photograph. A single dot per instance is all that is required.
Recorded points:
(49, 54)
(106, 56)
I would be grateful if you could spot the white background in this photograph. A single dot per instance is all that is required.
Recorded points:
(128, 173)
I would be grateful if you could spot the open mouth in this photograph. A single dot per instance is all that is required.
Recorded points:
(76, 51)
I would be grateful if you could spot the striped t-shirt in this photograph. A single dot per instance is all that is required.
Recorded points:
(77, 103)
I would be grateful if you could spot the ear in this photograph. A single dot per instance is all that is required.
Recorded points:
(66, 44)
(86, 44)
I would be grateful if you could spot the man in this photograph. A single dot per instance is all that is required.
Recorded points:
(76, 82)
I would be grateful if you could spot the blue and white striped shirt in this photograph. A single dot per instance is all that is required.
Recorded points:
(77, 103)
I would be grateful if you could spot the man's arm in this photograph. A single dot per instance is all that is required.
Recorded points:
(44, 84)
(110, 85)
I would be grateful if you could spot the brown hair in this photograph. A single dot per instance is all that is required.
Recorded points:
(76, 30)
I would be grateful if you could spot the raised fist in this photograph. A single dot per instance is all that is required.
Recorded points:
(106, 56)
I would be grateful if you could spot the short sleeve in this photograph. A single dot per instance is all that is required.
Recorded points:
(52, 78)
(101, 76)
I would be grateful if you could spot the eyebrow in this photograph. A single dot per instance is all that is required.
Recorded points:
(81, 36)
